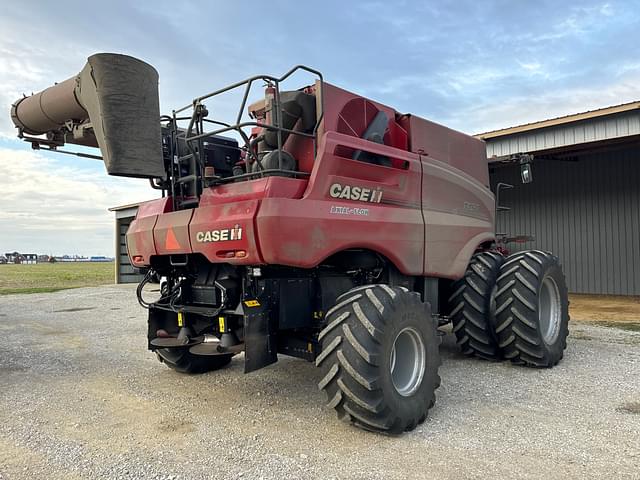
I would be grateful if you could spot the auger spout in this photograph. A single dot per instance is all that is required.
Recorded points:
(112, 104)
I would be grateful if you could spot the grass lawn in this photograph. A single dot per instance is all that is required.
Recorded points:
(50, 277)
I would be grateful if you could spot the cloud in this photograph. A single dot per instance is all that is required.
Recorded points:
(28, 69)
(531, 67)
(50, 207)
(521, 109)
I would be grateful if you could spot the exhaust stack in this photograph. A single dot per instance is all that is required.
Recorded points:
(112, 104)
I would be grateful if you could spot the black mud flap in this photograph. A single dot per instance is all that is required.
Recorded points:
(260, 330)
(159, 319)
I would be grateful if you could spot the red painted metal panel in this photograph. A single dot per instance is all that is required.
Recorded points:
(461, 151)
(459, 216)
(171, 233)
(305, 232)
(139, 240)
(254, 189)
(154, 207)
(139, 237)
(217, 231)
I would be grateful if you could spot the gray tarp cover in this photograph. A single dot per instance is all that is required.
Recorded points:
(120, 93)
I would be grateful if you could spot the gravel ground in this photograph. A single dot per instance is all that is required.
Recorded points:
(81, 397)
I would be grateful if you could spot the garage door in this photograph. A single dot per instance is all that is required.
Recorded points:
(127, 273)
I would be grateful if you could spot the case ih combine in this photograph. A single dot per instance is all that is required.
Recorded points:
(325, 226)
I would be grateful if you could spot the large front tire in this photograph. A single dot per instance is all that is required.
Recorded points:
(379, 358)
(532, 309)
(180, 360)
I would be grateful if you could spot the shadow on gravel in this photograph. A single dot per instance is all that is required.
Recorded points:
(630, 407)
(633, 326)
(75, 309)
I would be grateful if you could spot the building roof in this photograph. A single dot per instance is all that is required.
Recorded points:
(601, 112)
(125, 207)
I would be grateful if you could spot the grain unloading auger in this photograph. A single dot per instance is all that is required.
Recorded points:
(327, 227)
(112, 104)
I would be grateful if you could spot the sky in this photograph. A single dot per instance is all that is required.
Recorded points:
(474, 66)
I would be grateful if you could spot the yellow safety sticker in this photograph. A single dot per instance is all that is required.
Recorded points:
(252, 303)
(180, 319)
(221, 322)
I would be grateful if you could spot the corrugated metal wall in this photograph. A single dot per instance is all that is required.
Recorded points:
(587, 212)
(596, 129)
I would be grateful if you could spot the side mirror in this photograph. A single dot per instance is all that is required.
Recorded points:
(526, 172)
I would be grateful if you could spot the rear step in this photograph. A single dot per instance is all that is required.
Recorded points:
(209, 349)
(203, 345)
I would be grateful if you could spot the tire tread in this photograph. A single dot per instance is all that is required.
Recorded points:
(517, 313)
(469, 307)
(350, 357)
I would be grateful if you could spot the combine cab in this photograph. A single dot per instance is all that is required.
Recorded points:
(317, 224)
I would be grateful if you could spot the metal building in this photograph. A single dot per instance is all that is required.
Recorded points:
(124, 271)
(584, 201)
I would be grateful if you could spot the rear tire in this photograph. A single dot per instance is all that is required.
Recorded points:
(380, 359)
(532, 309)
(180, 360)
(472, 307)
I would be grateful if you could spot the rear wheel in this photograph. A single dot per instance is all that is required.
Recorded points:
(180, 360)
(472, 307)
(380, 359)
(532, 309)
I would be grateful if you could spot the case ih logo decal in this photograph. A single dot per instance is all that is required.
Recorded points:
(223, 235)
(360, 194)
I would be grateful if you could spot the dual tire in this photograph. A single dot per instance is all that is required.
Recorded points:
(532, 309)
(514, 308)
(472, 307)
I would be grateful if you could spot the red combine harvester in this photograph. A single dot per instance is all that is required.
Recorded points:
(325, 226)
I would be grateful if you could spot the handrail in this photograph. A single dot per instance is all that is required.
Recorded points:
(194, 133)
